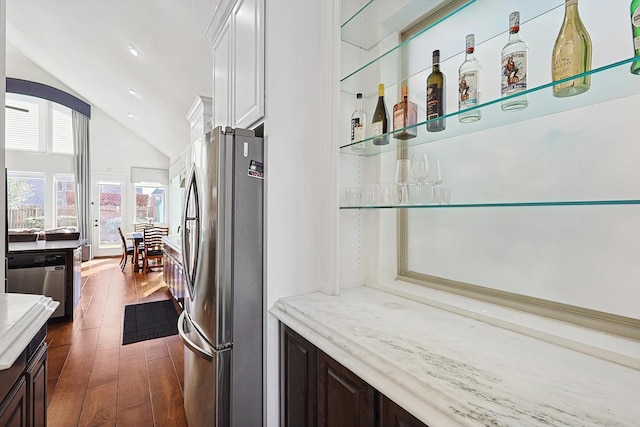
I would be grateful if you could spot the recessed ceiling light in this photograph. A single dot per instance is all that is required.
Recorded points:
(132, 92)
(130, 115)
(135, 52)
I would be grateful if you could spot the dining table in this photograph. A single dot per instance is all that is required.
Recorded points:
(137, 237)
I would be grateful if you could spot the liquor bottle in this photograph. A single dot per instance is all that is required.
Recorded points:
(405, 113)
(571, 54)
(358, 125)
(468, 80)
(435, 96)
(514, 67)
(380, 119)
(635, 31)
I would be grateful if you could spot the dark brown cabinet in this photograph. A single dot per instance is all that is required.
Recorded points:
(23, 386)
(393, 415)
(36, 376)
(344, 400)
(317, 391)
(13, 410)
(298, 381)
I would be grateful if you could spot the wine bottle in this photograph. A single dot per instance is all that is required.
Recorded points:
(468, 80)
(380, 119)
(514, 67)
(358, 125)
(635, 31)
(405, 113)
(571, 54)
(435, 96)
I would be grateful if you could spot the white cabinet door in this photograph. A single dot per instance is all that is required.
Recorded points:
(248, 62)
(222, 76)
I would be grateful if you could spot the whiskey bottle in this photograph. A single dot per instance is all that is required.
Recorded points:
(405, 113)
(358, 125)
(635, 31)
(468, 84)
(435, 96)
(380, 120)
(571, 54)
(514, 67)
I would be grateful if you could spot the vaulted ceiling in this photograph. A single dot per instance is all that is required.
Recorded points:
(85, 45)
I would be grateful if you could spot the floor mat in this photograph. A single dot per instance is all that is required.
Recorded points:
(149, 320)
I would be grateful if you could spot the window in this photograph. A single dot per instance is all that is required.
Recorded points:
(26, 200)
(150, 202)
(65, 207)
(38, 125)
(22, 130)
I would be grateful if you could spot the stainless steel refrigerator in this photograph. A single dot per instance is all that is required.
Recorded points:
(222, 323)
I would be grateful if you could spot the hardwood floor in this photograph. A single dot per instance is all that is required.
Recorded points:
(93, 380)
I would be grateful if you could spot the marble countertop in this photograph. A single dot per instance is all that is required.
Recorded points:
(21, 317)
(449, 369)
(174, 241)
(45, 245)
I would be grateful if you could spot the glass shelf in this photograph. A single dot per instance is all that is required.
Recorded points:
(378, 19)
(609, 82)
(372, 21)
(505, 204)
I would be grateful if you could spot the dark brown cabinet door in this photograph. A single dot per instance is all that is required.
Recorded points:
(392, 415)
(13, 411)
(298, 385)
(37, 388)
(344, 400)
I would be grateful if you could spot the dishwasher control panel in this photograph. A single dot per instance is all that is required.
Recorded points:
(36, 260)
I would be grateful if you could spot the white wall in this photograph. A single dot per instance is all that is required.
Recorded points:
(298, 133)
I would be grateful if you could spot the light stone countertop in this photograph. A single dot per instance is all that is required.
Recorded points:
(21, 317)
(449, 370)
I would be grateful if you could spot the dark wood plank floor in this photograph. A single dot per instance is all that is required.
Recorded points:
(93, 380)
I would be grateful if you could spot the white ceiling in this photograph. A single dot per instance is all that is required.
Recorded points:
(84, 44)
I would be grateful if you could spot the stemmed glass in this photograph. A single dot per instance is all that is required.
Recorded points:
(403, 167)
(435, 176)
(419, 171)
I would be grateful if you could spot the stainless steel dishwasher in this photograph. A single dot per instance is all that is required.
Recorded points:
(42, 274)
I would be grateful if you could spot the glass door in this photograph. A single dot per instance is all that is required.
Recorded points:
(108, 211)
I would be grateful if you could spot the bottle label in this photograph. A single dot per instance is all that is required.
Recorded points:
(635, 26)
(376, 129)
(357, 130)
(468, 90)
(398, 119)
(514, 72)
(434, 100)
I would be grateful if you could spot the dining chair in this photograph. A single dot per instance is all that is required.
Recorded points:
(153, 247)
(140, 226)
(126, 251)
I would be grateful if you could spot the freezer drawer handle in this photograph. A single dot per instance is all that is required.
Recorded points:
(190, 344)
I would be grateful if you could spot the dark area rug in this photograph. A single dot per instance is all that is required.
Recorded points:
(149, 320)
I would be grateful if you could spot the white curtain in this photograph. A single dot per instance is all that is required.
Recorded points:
(82, 173)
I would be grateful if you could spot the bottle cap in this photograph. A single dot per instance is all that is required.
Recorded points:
(358, 95)
(381, 89)
(514, 22)
(470, 43)
(436, 57)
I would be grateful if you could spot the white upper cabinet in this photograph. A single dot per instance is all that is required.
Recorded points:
(238, 64)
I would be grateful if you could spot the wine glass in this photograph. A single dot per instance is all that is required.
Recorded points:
(419, 170)
(435, 175)
(403, 168)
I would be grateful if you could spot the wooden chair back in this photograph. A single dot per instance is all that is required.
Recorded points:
(153, 248)
(140, 226)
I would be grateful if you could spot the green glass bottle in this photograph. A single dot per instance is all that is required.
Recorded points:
(635, 31)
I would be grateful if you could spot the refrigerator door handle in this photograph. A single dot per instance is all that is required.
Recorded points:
(190, 344)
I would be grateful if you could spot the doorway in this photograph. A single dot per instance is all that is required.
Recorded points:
(109, 209)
